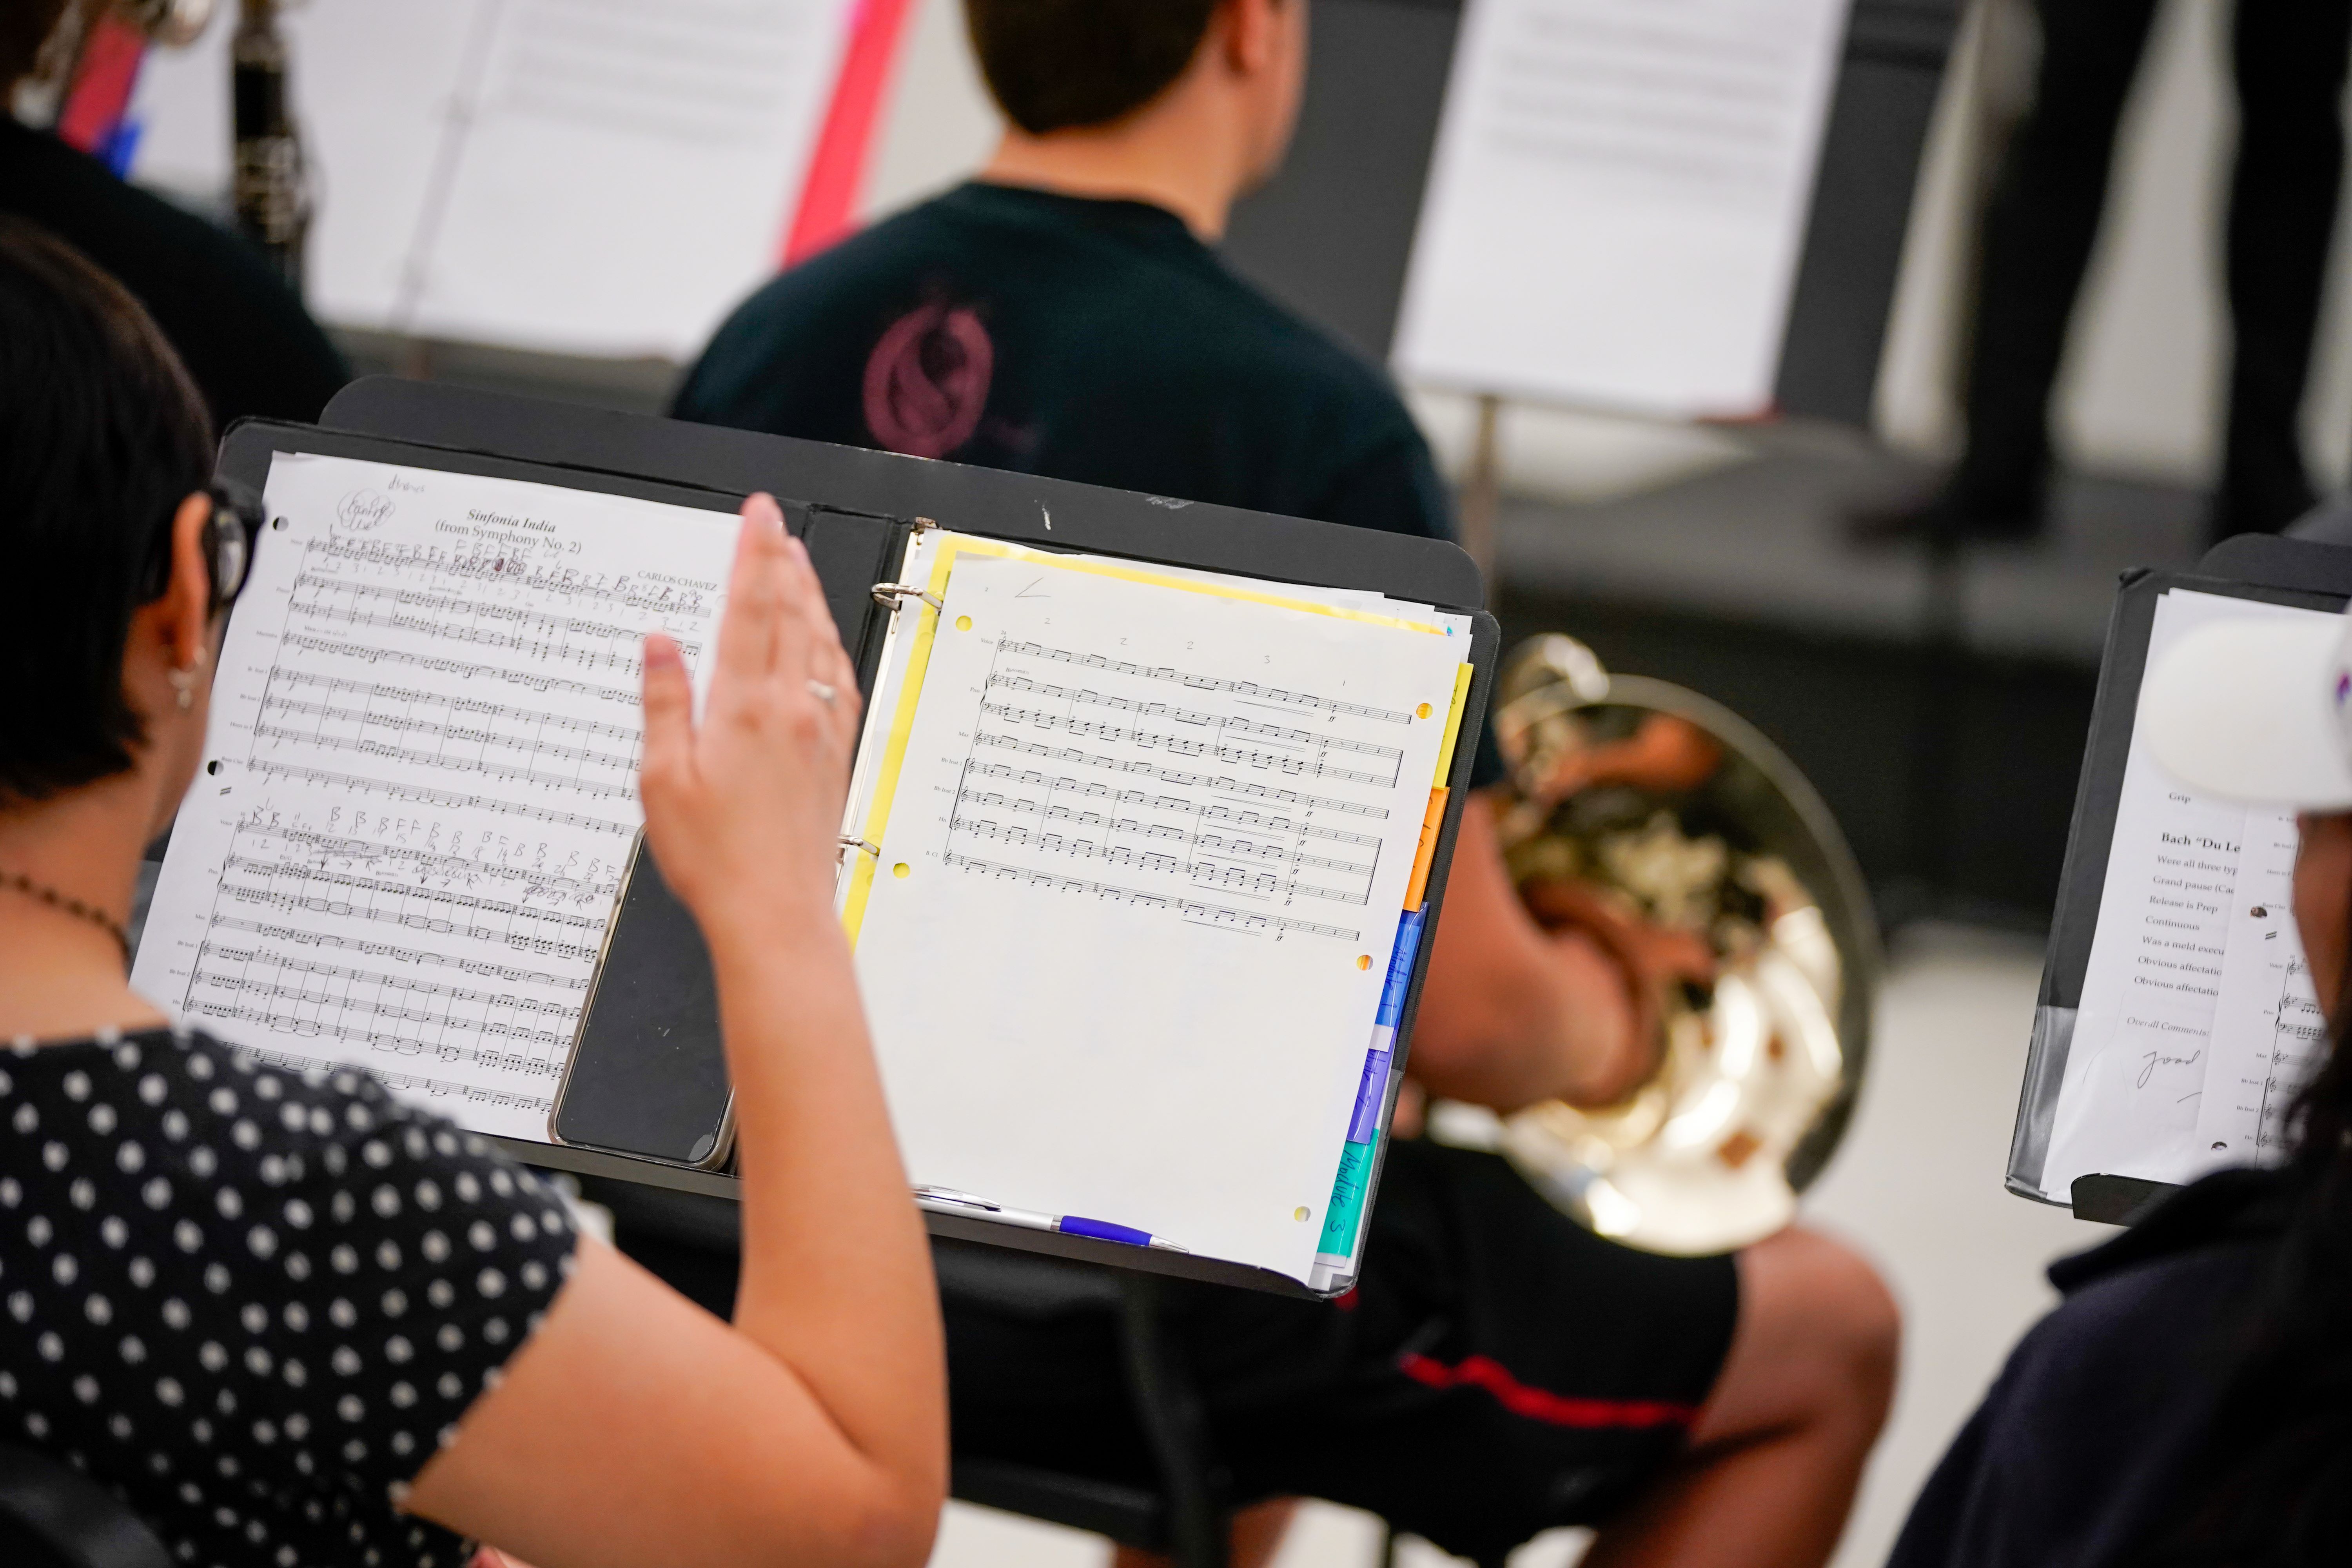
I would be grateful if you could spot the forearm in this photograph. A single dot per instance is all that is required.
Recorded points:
(1508, 1028)
(1510, 1014)
(836, 1277)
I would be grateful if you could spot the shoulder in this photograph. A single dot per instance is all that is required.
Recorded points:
(245, 337)
(2071, 1453)
(818, 311)
(245, 1166)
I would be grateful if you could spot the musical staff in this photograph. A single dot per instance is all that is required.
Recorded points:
(464, 668)
(362, 784)
(510, 567)
(287, 938)
(422, 792)
(1190, 826)
(1016, 681)
(1291, 764)
(622, 788)
(1193, 910)
(1246, 689)
(375, 698)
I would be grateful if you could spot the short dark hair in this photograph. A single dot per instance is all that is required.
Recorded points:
(1055, 64)
(102, 436)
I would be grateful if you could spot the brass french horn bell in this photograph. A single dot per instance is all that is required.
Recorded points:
(1641, 807)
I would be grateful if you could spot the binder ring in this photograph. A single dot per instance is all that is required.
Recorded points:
(863, 847)
(890, 595)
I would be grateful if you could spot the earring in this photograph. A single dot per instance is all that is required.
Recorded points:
(184, 686)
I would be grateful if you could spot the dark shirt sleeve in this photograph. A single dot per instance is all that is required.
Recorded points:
(248, 344)
(1396, 486)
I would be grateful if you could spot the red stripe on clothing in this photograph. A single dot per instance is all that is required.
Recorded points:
(1538, 1404)
(837, 168)
(108, 70)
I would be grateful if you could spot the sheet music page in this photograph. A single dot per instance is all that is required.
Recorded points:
(1144, 861)
(2172, 1008)
(1618, 199)
(2269, 1036)
(377, 92)
(420, 787)
(580, 176)
(628, 171)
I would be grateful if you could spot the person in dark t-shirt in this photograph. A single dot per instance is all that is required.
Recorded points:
(1497, 1371)
(243, 334)
(1089, 339)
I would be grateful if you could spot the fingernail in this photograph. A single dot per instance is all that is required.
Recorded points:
(660, 648)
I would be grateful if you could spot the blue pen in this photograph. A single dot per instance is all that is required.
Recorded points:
(947, 1200)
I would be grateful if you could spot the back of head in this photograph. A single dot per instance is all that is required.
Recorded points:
(1054, 65)
(102, 436)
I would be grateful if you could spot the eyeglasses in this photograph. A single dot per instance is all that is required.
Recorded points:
(228, 540)
(235, 524)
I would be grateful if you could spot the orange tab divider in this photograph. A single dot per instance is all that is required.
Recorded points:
(1430, 821)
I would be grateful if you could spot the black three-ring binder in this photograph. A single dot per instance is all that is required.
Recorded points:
(855, 509)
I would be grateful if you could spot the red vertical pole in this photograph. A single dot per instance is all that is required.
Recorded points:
(103, 77)
(827, 210)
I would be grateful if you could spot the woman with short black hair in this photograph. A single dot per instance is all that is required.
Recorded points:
(297, 1321)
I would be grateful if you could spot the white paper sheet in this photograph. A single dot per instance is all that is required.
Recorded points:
(1618, 200)
(581, 177)
(2173, 1004)
(2268, 1034)
(1157, 843)
(420, 789)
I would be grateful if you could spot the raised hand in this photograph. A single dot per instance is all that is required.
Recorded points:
(743, 809)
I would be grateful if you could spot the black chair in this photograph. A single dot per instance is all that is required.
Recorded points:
(52, 1516)
(692, 1242)
(1187, 1515)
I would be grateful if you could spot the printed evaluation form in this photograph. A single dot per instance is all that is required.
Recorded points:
(2197, 1020)
(419, 792)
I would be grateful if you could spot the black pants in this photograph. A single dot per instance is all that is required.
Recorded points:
(2289, 56)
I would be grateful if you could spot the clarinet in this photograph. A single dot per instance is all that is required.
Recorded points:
(270, 195)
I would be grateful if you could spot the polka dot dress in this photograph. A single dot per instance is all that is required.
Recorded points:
(254, 1301)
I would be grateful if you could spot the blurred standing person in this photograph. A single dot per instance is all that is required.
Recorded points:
(2289, 59)
(247, 341)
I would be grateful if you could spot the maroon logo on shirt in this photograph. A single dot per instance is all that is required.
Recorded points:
(928, 381)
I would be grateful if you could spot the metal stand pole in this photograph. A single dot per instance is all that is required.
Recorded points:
(1482, 491)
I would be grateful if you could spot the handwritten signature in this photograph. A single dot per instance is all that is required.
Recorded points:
(362, 512)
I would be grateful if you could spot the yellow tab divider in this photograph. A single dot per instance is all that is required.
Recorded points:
(1454, 721)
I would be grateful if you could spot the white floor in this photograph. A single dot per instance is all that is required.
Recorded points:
(1917, 1183)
